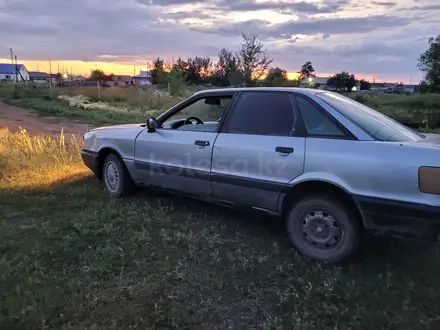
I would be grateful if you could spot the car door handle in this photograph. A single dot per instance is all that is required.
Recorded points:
(284, 150)
(201, 143)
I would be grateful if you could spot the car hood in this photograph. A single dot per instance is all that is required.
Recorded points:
(124, 126)
(430, 140)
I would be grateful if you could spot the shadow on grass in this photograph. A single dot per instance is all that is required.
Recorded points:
(381, 249)
(75, 258)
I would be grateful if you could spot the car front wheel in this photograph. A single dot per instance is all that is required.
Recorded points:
(117, 180)
(323, 229)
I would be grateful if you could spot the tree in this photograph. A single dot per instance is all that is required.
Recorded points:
(365, 85)
(424, 87)
(96, 75)
(342, 81)
(429, 63)
(276, 73)
(198, 69)
(227, 64)
(236, 78)
(99, 75)
(253, 60)
(180, 65)
(176, 80)
(276, 77)
(307, 70)
(158, 69)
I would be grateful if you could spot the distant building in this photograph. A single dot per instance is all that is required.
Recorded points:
(321, 82)
(38, 77)
(122, 80)
(8, 72)
(394, 88)
(143, 79)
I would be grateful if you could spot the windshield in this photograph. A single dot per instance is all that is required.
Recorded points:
(376, 124)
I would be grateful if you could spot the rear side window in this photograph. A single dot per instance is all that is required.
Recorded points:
(316, 121)
(263, 114)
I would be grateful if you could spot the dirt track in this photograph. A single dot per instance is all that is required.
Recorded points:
(13, 118)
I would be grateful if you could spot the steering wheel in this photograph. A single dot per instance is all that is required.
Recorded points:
(188, 120)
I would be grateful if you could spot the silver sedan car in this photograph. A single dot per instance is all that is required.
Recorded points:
(333, 168)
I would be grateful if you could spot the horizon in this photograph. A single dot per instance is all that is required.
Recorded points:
(80, 68)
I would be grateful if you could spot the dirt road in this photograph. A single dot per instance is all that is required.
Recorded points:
(13, 118)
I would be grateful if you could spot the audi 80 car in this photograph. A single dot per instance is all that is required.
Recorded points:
(333, 168)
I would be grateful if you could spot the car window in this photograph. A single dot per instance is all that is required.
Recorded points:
(263, 114)
(316, 121)
(376, 124)
(208, 109)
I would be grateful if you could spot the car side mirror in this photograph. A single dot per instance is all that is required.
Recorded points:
(151, 124)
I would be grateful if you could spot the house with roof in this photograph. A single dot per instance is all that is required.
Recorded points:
(122, 80)
(321, 82)
(38, 77)
(9, 71)
(144, 78)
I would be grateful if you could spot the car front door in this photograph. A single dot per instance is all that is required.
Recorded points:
(177, 155)
(259, 150)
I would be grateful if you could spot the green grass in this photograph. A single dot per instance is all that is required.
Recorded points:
(73, 258)
(420, 112)
(411, 110)
(90, 116)
(138, 103)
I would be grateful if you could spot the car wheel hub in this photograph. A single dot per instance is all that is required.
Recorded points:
(112, 176)
(321, 229)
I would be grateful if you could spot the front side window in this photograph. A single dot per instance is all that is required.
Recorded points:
(263, 113)
(202, 115)
(377, 125)
(317, 123)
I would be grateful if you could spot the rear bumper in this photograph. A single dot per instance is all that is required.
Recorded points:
(395, 218)
(90, 159)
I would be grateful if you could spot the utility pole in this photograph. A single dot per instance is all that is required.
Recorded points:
(50, 79)
(12, 60)
(16, 69)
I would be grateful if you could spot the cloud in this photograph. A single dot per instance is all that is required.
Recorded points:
(432, 7)
(281, 6)
(308, 26)
(168, 2)
(294, 31)
(387, 4)
(374, 58)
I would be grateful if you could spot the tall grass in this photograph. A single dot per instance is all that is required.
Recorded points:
(27, 159)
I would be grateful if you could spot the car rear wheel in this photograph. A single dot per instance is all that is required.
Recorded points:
(323, 229)
(117, 180)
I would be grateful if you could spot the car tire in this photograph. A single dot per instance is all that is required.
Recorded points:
(323, 229)
(117, 180)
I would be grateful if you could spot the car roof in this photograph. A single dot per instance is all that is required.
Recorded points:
(307, 91)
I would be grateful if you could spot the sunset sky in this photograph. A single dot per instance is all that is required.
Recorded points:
(368, 38)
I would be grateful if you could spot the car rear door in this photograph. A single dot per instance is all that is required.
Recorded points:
(259, 150)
